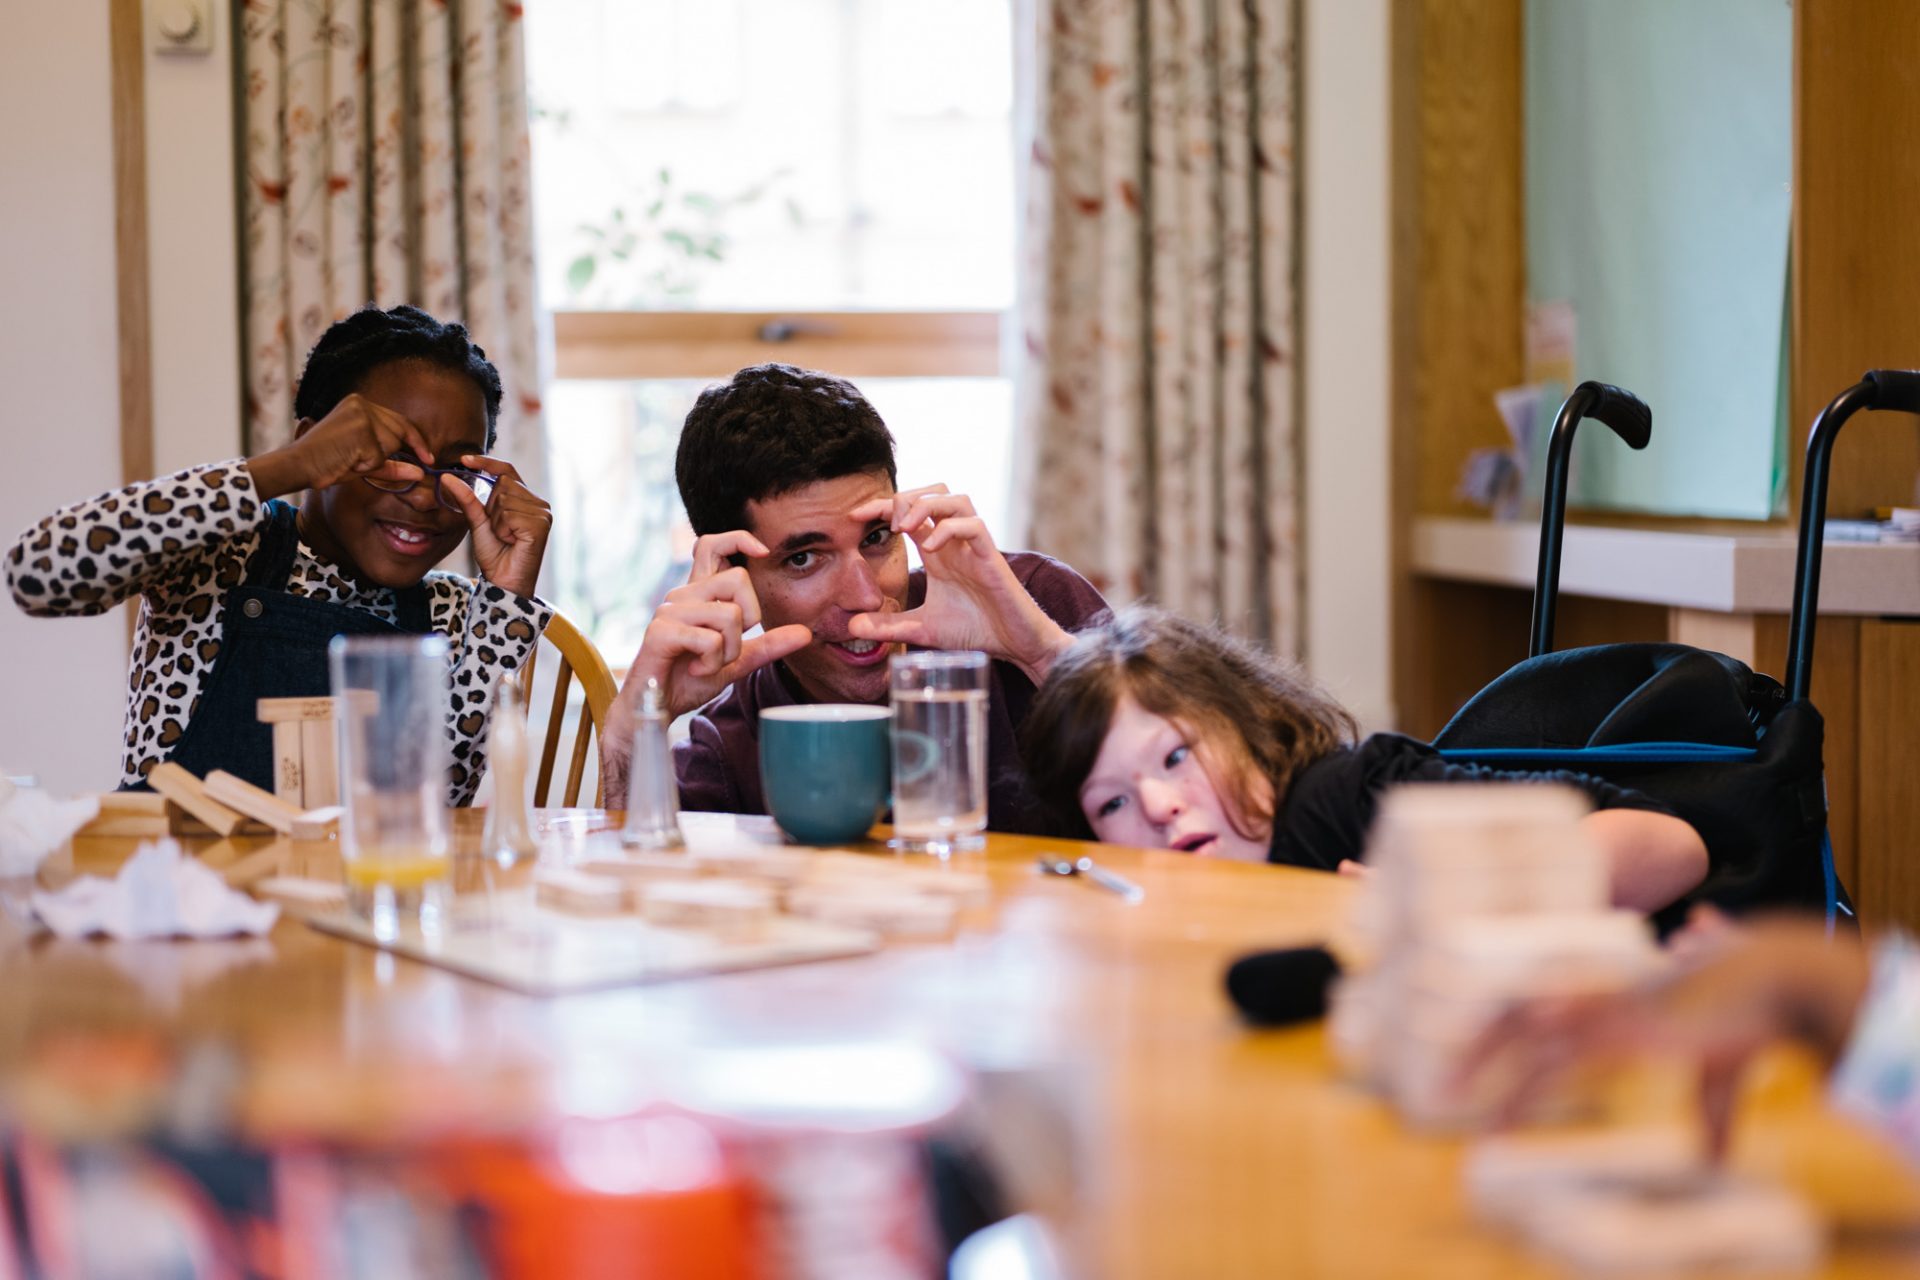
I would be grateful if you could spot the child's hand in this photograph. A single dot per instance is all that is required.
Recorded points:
(510, 530)
(357, 438)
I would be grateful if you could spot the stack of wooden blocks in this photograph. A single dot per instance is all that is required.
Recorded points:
(306, 770)
(304, 803)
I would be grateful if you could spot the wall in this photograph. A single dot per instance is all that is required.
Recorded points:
(1347, 351)
(62, 682)
(194, 273)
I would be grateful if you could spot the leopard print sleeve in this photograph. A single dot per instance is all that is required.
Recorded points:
(84, 559)
(493, 633)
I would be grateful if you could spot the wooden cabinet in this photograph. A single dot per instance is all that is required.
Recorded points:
(1459, 272)
(1887, 879)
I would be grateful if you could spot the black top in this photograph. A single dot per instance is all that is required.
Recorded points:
(1325, 814)
(273, 644)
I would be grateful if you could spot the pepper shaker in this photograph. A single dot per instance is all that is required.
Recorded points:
(653, 801)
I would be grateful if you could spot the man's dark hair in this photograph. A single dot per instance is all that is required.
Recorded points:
(353, 348)
(770, 429)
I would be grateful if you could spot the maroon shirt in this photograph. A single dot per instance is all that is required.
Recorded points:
(718, 765)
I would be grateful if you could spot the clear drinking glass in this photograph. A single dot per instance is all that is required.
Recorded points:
(390, 698)
(939, 751)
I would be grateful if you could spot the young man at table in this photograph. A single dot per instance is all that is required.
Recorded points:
(788, 479)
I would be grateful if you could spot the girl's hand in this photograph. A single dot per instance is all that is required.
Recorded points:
(510, 529)
(357, 438)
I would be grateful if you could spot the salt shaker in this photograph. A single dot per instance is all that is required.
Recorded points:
(653, 802)
(509, 834)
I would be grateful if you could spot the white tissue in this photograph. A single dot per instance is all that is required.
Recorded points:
(159, 893)
(33, 824)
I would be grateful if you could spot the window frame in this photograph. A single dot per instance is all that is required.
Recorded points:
(590, 345)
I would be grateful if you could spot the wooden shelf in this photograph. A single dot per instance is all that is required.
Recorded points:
(1713, 572)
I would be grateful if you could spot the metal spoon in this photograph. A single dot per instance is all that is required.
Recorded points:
(1112, 883)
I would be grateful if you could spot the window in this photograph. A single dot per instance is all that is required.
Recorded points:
(723, 182)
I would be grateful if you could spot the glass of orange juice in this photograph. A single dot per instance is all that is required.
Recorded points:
(390, 720)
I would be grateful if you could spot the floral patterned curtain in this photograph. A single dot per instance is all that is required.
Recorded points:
(1157, 395)
(387, 161)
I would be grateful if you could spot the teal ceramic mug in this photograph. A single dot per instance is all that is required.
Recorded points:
(824, 769)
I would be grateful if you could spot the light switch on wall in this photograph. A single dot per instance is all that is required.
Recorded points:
(181, 26)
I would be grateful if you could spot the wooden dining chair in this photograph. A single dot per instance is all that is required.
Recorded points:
(577, 657)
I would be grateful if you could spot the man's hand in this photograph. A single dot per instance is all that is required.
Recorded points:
(973, 600)
(356, 438)
(510, 529)
(696, 646)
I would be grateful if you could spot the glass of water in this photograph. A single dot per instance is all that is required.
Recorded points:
(939, 751)
(390, 696)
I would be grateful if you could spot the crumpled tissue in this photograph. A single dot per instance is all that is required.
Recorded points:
(33, 824)
(159, 893)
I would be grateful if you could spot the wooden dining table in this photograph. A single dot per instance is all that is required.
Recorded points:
(1201, 1147)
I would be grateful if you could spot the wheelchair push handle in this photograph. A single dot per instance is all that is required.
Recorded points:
(1897, 389)
(1631, 420)
(1624, 411)
(1893, 389)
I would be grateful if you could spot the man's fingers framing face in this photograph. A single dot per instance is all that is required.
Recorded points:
(712, 551)
(722, 617)
(730, 584)
(935, 509)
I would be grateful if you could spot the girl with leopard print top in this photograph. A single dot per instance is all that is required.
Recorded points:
(241, 592)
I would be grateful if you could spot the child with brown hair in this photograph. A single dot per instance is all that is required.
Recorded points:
(1158, 732)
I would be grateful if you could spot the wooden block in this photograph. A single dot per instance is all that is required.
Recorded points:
(727, 908)
(883, 871)
(319, 766)
(299, 894)
(145, 803)
(1713, 1224)
(317, 824)
(578, 892)
(283, 710)
(264, 806)
(643, 868)
(140, 814)
(179, 822)
(888, 912)
(311, 860)
(787, 866)
(1505, 1176)
(256, 866)
(288, 776)
(189, 793)
(129, 825)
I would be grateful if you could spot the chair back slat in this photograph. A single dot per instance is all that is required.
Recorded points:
(577, 767)
(550, 748)
(576, 657)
